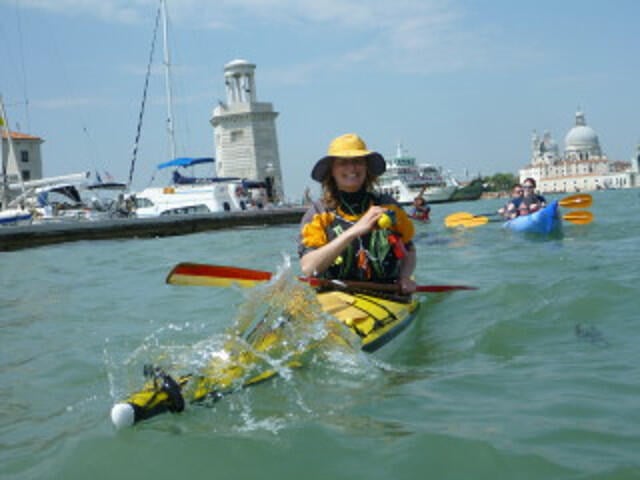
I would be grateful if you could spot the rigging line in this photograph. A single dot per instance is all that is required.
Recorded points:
(167, 72)
(92, 151)
(144, 100)
(24, 74)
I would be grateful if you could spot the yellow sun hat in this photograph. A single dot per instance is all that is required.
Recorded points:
(348, 145)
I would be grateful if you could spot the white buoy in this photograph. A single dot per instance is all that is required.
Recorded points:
(122, 415)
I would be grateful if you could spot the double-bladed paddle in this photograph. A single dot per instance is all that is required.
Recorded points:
(199, 274)
(464, 219)
(580, 200)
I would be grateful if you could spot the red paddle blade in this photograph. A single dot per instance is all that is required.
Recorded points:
(215, 275)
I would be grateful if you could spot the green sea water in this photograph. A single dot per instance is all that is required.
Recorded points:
(535, 375)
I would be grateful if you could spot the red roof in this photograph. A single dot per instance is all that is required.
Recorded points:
(20, 136)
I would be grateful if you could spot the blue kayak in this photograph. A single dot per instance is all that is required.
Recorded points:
(544, 221)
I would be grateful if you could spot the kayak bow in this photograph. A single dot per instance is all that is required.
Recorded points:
(374, 319)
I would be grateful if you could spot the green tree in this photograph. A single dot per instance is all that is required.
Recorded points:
(500, 182)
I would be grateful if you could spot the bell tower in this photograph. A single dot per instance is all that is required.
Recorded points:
(244, 132)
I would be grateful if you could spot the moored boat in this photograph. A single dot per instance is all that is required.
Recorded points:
(405, 180)
(544, 221)
(15, 216)
(472, 191)
(191, 195)
(372, 320)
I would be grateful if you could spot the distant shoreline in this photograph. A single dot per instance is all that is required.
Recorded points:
(492, 195)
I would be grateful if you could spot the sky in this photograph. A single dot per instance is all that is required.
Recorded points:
(460, 84)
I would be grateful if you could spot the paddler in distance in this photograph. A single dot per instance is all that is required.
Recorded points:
(526, 202)
(354, 233)
(531, 201)
(510, 210)
(420, 209)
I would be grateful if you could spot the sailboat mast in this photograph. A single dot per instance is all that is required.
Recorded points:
(5, 184)
(4, 127)
(167, 75)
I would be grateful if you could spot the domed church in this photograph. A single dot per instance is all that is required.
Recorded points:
(582, 141)
(582, 167)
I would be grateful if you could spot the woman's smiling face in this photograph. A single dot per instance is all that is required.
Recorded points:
(349, 173)
(528, 189)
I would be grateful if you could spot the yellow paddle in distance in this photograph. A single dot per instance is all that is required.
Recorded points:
(464, 219)
(581, 217)
(580, 200)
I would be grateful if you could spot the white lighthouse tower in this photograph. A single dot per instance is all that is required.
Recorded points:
(245, 132)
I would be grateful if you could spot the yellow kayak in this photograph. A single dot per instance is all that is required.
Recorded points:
(375, 320)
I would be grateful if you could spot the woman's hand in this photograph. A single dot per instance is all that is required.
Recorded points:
(319, 260)
(407, 286)
(368, 221)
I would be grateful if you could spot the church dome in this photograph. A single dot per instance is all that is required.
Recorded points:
(581, 136)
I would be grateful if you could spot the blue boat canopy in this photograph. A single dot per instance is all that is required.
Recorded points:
(185, 162)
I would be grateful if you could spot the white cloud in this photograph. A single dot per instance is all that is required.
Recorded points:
(412, 36)
(120, 11)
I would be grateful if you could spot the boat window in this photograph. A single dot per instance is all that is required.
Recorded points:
(190, 210)
(226, 207)
(142, 202)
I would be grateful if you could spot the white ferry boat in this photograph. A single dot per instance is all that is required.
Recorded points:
(405, 180)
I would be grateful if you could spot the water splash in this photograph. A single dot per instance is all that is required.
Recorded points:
(279, 328)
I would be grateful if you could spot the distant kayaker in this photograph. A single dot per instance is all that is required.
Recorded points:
(420, 209)
(510, 210)
(528, 203)
(531, 201)
(354, 233)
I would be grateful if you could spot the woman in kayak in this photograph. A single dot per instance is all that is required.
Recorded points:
(353, 233)
(420, 209)
(526, 203)
(531, 201)
(510, 210)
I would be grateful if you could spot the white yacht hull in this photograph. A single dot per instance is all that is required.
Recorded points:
(190, 199)
(15, 216)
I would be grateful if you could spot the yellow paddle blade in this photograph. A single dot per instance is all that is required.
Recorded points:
(199, 281)
(466, 222)
(581, 200)
(581, 217)
(457, 215)
(454, 219)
